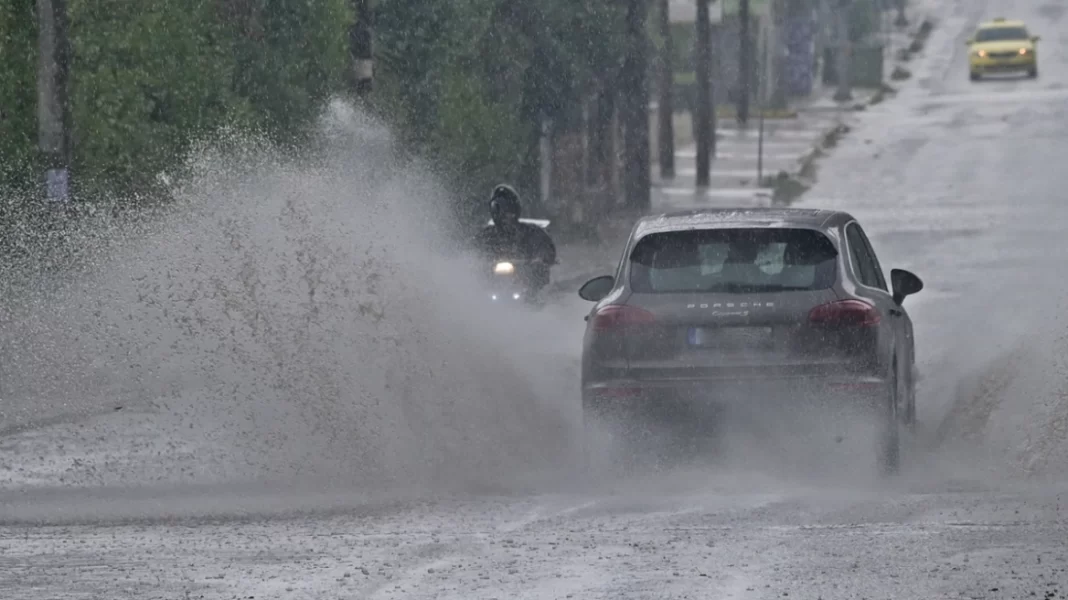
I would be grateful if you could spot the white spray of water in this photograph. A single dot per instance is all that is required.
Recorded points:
(300, 318)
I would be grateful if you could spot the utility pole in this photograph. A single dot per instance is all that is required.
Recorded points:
(361, 48)
(635, 107)
(704, 124)
(666, 105)
(762, 94)
(774, 62)
(744, 63)
(845, 50)
(53, 97)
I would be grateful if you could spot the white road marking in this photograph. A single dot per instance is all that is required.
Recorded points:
(739, 173)
(718, 192)
(781, 134)
(787, 156)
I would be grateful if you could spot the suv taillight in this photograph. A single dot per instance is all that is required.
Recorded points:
(849, 313)
(619, 317)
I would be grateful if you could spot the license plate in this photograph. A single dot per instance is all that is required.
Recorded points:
(730, 338)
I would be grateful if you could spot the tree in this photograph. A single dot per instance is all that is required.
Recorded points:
(843, 24)
(704, 123)
(744, 62)
(53, 93)
(666, 106)
(361, 48)
(18, 94)
(635, 106)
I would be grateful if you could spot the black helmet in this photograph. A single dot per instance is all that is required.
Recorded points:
(504, 200)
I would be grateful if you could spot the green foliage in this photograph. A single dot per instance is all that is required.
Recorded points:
(290, 54)
(469, 80)
(18, 92)
(147, 76)
(465, 81)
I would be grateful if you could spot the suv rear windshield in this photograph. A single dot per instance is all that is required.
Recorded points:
(733, 261)
(1002, 34)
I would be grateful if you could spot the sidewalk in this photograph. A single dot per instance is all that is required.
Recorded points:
(744, 164)
(790, 146)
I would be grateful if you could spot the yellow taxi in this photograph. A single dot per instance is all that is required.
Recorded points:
(1001, 46)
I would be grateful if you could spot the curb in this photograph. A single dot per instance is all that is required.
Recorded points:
(731, 112)
(788, 187)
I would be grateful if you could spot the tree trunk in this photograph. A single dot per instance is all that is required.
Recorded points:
(845, 50)
(704, 127)
(616, 150)
(53, 97)
(546, 151)
(361, 48)
(744, 62)
(776, 97)
(635, 108)
(666, 106)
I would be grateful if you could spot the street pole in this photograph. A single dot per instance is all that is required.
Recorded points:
(635, 107)
(744, 67)
(845, 51)
(53, 98)
(361, 48)
(666, 106)
(763, 109)
(704, 130)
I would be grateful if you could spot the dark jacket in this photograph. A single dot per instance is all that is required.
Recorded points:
(523, 242)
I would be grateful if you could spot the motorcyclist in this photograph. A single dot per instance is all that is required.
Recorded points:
(509, 238)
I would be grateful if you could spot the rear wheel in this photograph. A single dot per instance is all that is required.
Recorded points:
(974, 76)
(1033, 73)
(910, 407)
(890, 436)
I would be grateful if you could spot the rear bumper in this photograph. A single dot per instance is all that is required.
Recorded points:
(855, 391)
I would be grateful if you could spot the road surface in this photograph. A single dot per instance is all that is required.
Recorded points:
(960, 182)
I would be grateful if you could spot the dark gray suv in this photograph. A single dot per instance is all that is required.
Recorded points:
(707, 300)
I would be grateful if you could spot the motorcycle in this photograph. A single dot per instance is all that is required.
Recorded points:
(509, 282)
(509, 279)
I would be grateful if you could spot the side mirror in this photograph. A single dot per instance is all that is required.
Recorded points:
(597, 288)
(905, 284)
(969, 41)
(1035, 38)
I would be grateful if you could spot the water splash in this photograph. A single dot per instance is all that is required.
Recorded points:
(296, 317)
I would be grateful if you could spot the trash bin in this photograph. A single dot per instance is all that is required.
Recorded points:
(867, 65)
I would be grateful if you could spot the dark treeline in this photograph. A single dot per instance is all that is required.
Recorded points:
(464, 82)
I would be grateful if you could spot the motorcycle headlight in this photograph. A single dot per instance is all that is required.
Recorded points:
(504, 268)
